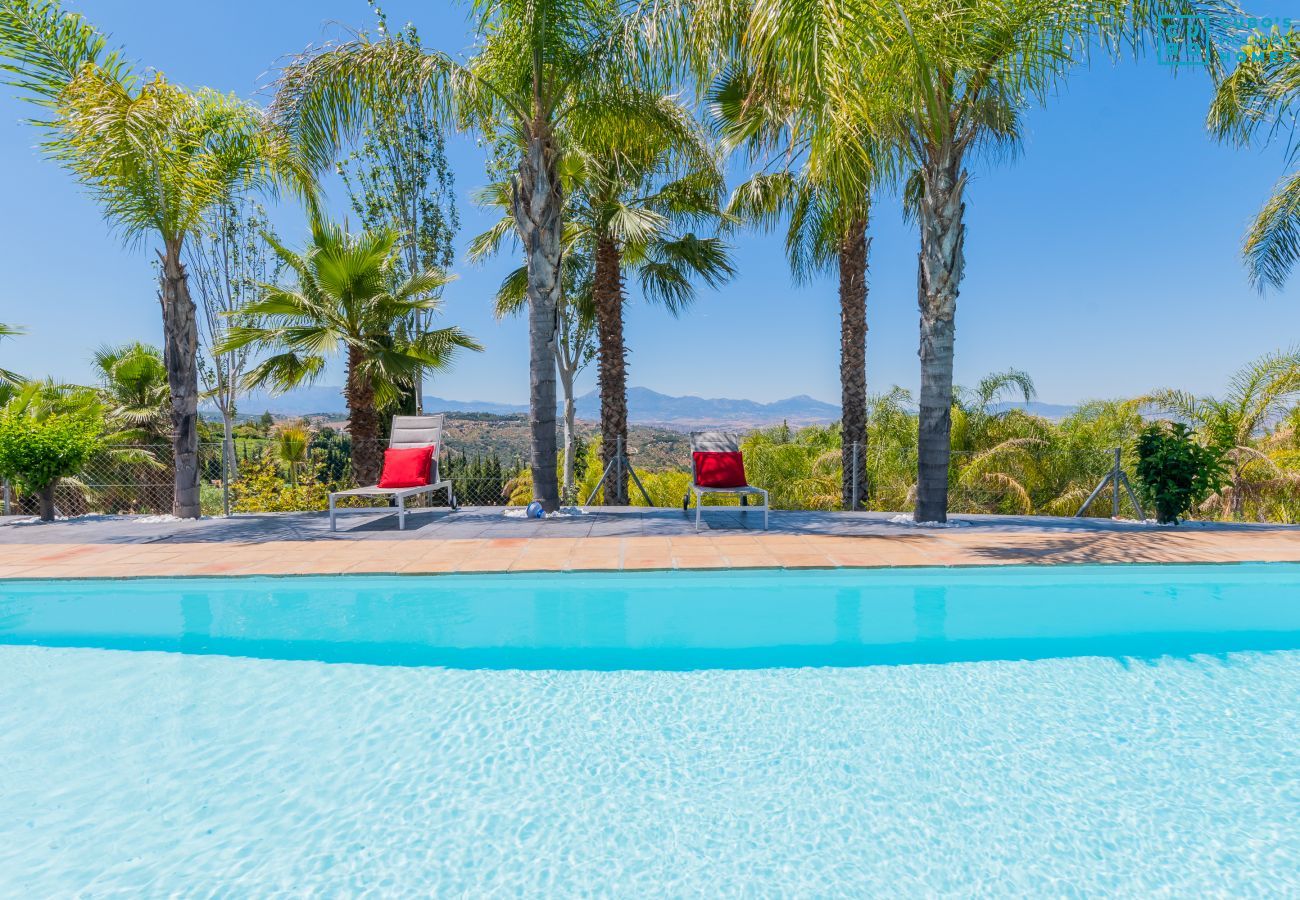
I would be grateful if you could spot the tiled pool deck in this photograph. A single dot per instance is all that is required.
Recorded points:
(484, 540)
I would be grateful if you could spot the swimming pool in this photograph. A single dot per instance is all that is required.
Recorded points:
(1007, 730)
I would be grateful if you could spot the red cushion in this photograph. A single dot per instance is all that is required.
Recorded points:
(719, 470)
(406, 467)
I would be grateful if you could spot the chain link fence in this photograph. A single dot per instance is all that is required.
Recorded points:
(256, 476)
(261, 475)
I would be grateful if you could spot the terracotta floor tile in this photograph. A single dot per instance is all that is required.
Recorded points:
(648, 561)
(805, 561)
(428, 567)
(716, 562)
(539, 564)
(752, 561)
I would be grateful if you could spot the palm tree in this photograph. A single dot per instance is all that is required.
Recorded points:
(156, 157)
(8, 378)
(134, 392)
(632, 198)
(574, 343)
(1259, 95)
(1258, 396)
(538, 65)
(940, 79)
(819, 169)
(345, 298)
(292, 446)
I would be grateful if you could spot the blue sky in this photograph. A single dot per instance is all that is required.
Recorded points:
(1104, 259)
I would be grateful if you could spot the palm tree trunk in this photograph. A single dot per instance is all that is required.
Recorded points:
(363, 422)
(853, 362)
(607, 291)
(536, 203)
(180, 355)
(939, 279)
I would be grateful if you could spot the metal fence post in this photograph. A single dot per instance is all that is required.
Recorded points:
(226, 464)
(6, 497)
(1114, 497)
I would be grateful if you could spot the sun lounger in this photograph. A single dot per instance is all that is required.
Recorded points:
(408, 432)
(717, 467)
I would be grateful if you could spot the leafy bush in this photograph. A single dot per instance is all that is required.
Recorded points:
(1174, 472)
(261, 488)
(36, 451)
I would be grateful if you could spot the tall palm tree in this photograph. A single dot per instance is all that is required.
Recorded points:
(941, 79)
(538, 65)
(8, 378)
(156, 156)
(1259, 96)
(346, 299)
(633, 198)
(1258, 396)
(819, 168)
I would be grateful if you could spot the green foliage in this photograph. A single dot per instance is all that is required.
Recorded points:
(261, 488)
(1174, 472)
(9, 379)
(135, 393)
(346, 297)
(36, 452)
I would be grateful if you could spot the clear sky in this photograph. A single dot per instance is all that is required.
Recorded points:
(1104, 259)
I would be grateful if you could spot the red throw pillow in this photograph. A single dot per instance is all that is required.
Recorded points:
(719, 470)
(406, 467)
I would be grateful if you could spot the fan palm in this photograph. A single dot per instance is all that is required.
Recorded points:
(8, 378)
(538, 65)
(156, 156)
(133, 389)
(1258, 396)
(292, 447)
(345, 298)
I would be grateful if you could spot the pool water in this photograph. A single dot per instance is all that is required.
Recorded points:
(1029, 731)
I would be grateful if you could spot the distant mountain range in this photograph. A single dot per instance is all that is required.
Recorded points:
(645, 407)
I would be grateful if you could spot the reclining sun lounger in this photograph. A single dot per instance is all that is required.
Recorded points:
(409, 432)
(717, 467)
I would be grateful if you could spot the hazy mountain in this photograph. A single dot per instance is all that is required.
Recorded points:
(653, 408)
(644, 407)
(328, 400)
(1034, 408)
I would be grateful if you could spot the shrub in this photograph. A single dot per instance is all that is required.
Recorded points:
(261, 488)
(37, 452)
(1174, 472)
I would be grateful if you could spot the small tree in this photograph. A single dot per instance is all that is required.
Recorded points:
(1174, 472)
(37, 452)
(398, 178)
(229, 262)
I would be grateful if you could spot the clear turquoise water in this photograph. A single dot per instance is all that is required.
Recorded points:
(1023, 731)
